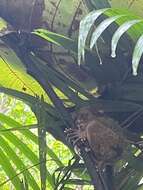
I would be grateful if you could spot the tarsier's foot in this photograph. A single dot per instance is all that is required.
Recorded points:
(74, 136)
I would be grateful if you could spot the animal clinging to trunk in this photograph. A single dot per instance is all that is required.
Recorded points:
(99, 134)
(103, 134)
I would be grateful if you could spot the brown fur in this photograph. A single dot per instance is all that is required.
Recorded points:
(103, 134)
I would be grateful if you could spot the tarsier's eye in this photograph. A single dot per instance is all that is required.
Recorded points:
(82, 117)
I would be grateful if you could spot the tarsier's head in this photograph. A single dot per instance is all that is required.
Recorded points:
(83, 117)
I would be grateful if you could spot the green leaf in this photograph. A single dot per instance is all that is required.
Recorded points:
(3, 24)
(101, 27)
(17, 78)
(119, 32)
(127, 22)
(24, 185)
(17, 161)
(14, 74)
(21, 146)
(56, 39)
(10, 172)
(28, 99)
(28, 134)
(137, 54)
(84, 29)
(12, 123)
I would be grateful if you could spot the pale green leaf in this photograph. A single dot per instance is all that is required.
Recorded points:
(17, 161)
(56, 39)
(119, 32)
(85, 26)
(101, 27)
(138, 51)
(14, 74)
(8, 169)
(21, 146)
(14, 125)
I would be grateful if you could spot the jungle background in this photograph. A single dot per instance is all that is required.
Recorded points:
(41, 84)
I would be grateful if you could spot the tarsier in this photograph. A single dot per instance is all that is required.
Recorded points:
(103, 134)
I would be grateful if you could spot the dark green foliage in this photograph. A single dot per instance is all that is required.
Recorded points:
(121, 96)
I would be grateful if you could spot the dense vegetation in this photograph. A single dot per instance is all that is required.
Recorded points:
(55, 64)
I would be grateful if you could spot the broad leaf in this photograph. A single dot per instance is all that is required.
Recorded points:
(13, 74)
(137, 54)
(57, 39)
(85, 26)
(23, 147)
(118, 34)
(97, 33)
(17, 161)
(125, 20)
(10, 172)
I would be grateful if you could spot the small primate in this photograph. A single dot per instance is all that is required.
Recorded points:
(104, 136)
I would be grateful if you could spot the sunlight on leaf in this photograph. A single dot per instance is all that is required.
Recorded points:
(3, 25)
(125, 22)
(138, 51)
(100, 29)
(56, 39)
(9, 170)
(19, 164)
(14, 75)
(119, 32)
(85, 26)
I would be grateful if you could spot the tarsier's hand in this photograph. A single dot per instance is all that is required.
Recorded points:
(75, 136)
